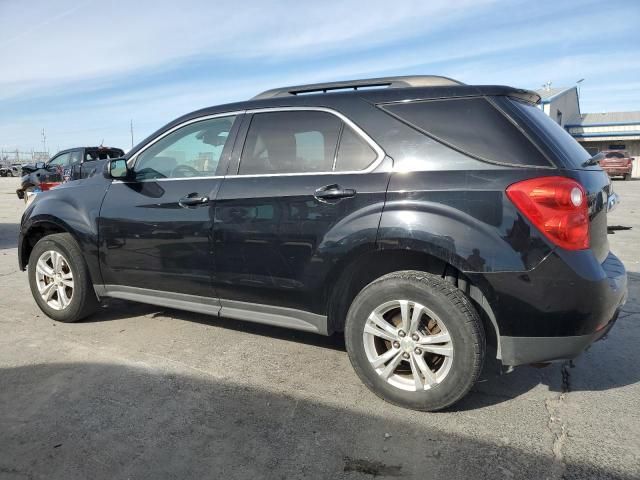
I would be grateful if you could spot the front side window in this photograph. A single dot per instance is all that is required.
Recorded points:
(290, 142)
(62, 160)
(191, 151)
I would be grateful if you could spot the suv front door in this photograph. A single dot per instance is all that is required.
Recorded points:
(287, 210)
(155, 228)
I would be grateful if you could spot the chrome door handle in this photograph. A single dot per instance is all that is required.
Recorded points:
(192, 200)
(334, 192)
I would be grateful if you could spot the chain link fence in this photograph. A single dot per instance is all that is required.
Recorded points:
(9, 157)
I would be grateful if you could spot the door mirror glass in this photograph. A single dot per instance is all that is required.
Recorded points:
(118, 168)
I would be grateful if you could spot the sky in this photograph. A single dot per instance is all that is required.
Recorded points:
(84, 69)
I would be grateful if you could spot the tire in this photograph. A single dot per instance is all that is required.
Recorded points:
(626, 177)
(445, 311)
(78, 301)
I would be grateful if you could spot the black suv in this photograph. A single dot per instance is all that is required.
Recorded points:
(424, 218)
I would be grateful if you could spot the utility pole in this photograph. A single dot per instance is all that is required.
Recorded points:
(131, 129)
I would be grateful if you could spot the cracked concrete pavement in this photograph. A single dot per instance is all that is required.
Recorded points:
(142, 392)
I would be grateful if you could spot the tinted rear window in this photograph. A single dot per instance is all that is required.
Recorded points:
(472, 126)
(550, 134)
(102, 154)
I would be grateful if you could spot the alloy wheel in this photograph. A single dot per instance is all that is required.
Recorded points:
(408, 345)
(54, 279)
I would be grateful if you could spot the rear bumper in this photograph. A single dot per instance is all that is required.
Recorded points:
(559, 308)
(611, 171)
(527, 350)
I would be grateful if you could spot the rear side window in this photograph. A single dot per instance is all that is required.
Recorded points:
(102, 154)
(353, 153)
(472, 126)
(290, 142)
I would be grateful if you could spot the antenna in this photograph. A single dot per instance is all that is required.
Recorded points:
(44, 141)
(131, 129)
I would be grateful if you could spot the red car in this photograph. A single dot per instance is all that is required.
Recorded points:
(617, 163)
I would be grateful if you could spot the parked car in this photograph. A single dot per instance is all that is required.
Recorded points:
(65, 165)
(12, 170)
(617, 163)
(426, 220)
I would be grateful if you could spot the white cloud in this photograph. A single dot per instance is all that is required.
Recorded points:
(86, 50)
(71, 42)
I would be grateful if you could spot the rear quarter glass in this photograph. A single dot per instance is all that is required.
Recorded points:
(473, 126)
(550, 137)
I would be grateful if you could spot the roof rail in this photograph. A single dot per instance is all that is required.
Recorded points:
(390, 82)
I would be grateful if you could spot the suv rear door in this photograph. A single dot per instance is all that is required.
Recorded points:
(305, 187)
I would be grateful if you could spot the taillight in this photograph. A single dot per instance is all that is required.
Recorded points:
(557, 206)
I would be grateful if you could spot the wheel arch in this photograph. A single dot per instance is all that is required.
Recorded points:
(36, 230)
(344, 285)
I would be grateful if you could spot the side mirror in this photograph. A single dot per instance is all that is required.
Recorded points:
(118, 168)
(40, 165)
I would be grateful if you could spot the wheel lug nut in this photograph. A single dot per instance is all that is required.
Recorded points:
(401, 333)
(418, 351)
(396, 344)
(405, 355)
(415, 337)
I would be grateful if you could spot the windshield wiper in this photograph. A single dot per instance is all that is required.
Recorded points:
(595, 160)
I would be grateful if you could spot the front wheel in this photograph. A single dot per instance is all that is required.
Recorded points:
(59, 279)
(415, 340)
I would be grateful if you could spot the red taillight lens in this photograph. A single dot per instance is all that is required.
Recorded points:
(557, 206)
(44, 186)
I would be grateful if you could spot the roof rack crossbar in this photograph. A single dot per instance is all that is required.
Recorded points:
(390, 82)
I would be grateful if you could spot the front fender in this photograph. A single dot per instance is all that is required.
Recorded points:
(73, 208)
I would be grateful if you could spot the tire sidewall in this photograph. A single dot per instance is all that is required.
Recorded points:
(466, 340)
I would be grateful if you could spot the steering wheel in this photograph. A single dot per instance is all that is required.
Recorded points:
(184, 171)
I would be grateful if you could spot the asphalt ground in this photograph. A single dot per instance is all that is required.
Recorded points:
(139, 391)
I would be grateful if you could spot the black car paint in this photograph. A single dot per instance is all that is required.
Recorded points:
(453, 209)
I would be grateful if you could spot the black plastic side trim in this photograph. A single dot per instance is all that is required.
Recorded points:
(252, 312)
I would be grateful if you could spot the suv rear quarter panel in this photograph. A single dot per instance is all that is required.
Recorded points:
(463, 218)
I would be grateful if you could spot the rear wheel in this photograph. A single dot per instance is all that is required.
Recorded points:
(59, 279)
(415, 340)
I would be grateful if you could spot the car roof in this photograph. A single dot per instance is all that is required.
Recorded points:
(390, 95)
(347, 94)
